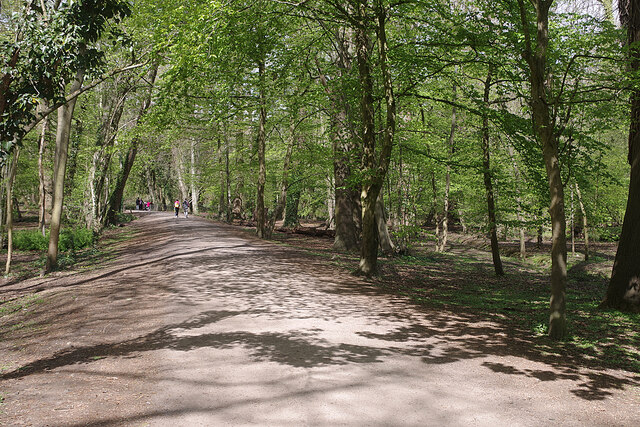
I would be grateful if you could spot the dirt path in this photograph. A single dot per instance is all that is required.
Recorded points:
(198, 324)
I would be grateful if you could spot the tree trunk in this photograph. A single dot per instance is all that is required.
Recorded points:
(3, 201)
(375, 169)
(282, 200)
(488, 184)
(447, 186)
(42, 142)
(369, 193)
(386, 245)
(223, 161)
(331, 204)
(519, 213)
(436, 218)
(179, 162)
(195, 192)
(347, 212)
(572, 217)
(65, 115)
(262, 168)
(585, 228)
(623, 292)
(9, 192)
(544, 127)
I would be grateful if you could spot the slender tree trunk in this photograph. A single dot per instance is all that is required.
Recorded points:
(3, 202)
(91, 221)
(9, 192)
(447, 186)
(65, 115)
(436, 218)
(519, 210)
(539, 231)
(488, 184)
(386, 245)
(623, 292)
(331, 204)
(573, 227)
(463, 223)
(585, 228)
(42, 142)
(227, 148)
(262, 168)
(284, 185)
(179, 162)
(195, 192)
(223, 200)
(544, 127)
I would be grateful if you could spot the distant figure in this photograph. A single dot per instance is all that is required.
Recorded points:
(176, 207)
(138, 203)
(185, 207)
(148, 206)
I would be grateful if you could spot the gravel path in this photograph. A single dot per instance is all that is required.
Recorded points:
(198, 324)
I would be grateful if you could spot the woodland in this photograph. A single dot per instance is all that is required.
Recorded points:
(388, 123)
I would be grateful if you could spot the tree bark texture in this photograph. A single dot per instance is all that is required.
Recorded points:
(623, 292)
(262, 168)
(65, 115)
(195, 190)
(544, 128)
(386, 244)
(375, 169)
(369, 193)
(488, 183)
(42, 196)
(9, 192)
(347, 208)
(585, 225)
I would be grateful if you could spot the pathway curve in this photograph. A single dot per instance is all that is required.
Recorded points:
(199, 324)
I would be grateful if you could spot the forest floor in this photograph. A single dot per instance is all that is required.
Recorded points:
(189, 322)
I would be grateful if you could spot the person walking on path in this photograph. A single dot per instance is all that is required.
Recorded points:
(185, 207)
(176, 207)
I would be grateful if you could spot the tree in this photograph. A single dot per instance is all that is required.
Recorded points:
(623, 292)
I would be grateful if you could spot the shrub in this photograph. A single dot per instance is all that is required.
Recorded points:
(122, 217)
(30, 240)
(75, 238)
(608, 233)
(70, 239)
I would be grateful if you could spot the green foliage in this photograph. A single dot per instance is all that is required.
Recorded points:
(71, 239)
(123, 218)
(75, 238)
(48, 48)
(405, 237)
(30, 240)
(607, 234)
